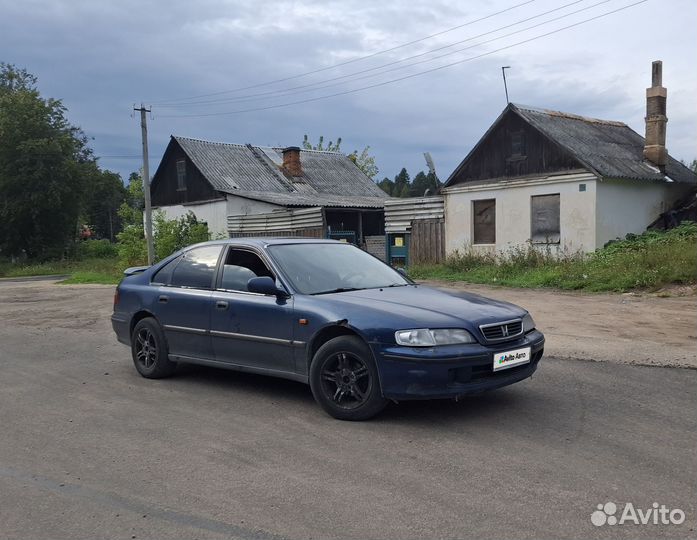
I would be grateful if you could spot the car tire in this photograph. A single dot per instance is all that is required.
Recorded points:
(150, 351)
(344, 379)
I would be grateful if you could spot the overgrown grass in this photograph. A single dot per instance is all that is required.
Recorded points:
(92, 270)
(647, 261)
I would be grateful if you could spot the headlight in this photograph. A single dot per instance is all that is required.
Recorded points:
(528, 323)
(425, 337)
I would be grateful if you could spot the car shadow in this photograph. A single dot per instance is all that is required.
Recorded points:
(501, 403)
(263, 385)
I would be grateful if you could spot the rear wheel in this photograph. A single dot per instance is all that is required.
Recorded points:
(149, 350)
(344, 379)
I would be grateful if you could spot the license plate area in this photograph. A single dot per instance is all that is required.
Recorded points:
(509, 359)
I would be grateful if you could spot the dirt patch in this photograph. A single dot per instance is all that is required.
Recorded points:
(641, 329)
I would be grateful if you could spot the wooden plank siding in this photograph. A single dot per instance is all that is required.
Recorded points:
(318, 232)
(427, 241)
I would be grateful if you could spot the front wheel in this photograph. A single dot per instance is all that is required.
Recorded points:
(149, 350)
(344, 379)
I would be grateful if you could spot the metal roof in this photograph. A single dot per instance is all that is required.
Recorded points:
(611, 149)
(399, 213)
(329, 178)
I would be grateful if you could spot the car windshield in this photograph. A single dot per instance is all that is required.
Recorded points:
(326, 268)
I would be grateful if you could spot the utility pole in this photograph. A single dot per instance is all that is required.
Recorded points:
(146, 183)
(505, 86)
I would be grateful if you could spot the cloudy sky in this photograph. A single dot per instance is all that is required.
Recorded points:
(202, 64)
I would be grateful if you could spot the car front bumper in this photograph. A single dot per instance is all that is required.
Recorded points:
(451, 371)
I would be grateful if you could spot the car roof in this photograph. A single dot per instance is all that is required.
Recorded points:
(263, 242)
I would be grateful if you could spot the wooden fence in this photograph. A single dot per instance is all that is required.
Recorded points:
(427, 241)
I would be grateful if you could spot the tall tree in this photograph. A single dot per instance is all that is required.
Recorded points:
(401, 184)
(45, 165)
(105, 194)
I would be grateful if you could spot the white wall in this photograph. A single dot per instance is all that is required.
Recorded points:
(212, 212)
(626, 206)
(239, 206)
(215, 213)
(513, 212)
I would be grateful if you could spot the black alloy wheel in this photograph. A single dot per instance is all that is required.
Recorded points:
(149, 350)
(344, 379)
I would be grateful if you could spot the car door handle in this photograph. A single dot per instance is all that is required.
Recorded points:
(221, 304)
(163, 299)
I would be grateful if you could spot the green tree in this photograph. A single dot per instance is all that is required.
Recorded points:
(423, 183)
(45, 165)
(386, 185)
(401, 184)
(105, 195)
(365, 162)
(331, 147)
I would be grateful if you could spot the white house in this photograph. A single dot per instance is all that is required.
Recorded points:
(563, 181)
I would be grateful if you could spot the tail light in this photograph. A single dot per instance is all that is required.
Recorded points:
(116, 298)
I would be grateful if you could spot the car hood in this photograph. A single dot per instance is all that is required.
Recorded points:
(417, 306)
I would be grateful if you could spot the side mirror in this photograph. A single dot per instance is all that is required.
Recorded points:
(403, 272)
(265, 285)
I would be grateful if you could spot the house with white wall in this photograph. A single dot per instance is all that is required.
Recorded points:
(224, 183)
(562, 181)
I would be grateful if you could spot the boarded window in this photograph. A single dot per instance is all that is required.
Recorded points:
(544, 227)
(181, 175)
(518, 144)
(484, 221)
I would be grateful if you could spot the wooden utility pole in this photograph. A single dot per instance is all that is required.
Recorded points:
(146, 183)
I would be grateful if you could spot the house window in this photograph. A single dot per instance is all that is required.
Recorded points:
(544, 214)
(517, 144)
(484, 223)
(181, 175)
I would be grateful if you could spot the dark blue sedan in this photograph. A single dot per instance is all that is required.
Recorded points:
(325, 313)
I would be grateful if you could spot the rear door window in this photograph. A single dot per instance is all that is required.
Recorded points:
(197, 268)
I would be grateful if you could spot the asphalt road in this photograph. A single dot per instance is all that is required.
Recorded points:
(89, 449)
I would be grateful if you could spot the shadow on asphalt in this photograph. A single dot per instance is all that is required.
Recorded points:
(502, 402)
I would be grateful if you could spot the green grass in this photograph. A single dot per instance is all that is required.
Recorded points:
(93, 270)
(648, 261)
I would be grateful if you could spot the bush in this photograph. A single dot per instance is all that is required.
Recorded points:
(131, 246)
(173, 235)
(649, 260)
(96, 249)
(169, 236)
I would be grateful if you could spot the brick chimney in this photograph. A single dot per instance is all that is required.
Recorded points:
(291, 161)
(656, 119)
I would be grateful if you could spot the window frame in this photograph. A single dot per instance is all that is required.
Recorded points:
(474, 222)
(216, 270)
(545, 241)
(181, 174)
(265, 260)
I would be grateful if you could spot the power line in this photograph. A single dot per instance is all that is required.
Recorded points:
(392, 81)
(353, 60)
(313, 86)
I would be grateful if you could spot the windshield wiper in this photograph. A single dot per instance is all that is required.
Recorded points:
(338, 289)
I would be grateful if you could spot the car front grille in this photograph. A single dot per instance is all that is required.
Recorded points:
(502, 331)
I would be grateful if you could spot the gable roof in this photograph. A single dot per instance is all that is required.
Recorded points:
(608, 149)
(329, 178)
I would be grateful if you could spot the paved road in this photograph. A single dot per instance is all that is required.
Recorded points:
(88, 449)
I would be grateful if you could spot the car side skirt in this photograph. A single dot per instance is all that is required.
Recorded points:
(237, 367)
